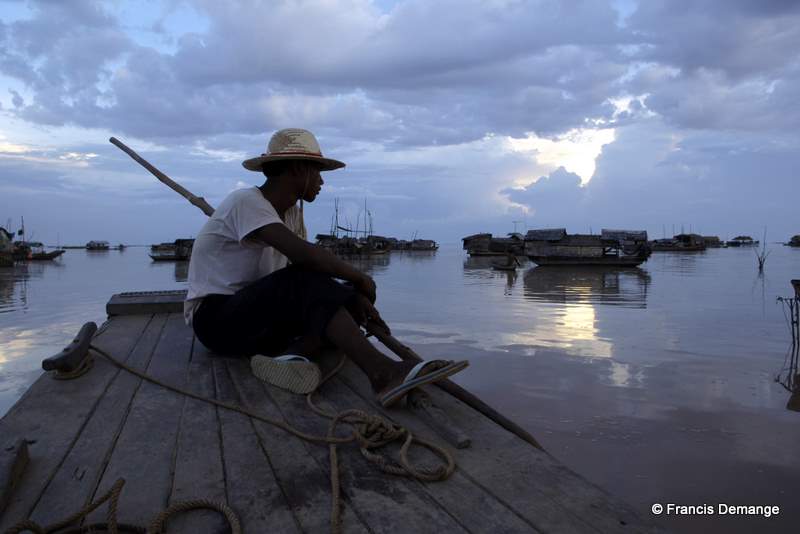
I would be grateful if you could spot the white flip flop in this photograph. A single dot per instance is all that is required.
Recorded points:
(290, 371)
(414, 380)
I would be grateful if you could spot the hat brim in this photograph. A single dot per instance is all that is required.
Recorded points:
(257, 164)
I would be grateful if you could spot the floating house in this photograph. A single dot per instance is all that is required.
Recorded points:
(423, 244)
(486, 245)
(178, 250)
(794, 241)
(679, 243)
(553, 246)
(742, 241)
(712, 241)
(6, 248)
(97, 245)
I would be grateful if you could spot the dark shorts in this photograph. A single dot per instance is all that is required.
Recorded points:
(266, 316)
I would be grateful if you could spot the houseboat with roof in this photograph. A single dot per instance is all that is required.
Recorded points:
(6, 248)
(97, 245)
(742, 241)
(178, 250)
(553, 246)
(487, 245)
(679, 243)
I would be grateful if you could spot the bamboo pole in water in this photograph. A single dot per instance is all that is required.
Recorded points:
(401, 350)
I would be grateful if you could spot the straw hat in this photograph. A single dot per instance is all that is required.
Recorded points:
(292, 143)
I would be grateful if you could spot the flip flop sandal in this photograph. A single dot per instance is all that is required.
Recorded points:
(291, 371)
(415, 378)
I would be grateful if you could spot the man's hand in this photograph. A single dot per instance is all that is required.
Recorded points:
(366, 286)
(363, 311)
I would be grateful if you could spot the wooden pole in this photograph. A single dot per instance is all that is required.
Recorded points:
(200, 202)
(402, 351)
(405, 353)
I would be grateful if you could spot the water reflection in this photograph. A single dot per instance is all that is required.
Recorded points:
(370, 264)
(678, 262)
(181, 271)
(789, 378)
(590, 284)
(416, 256)
(14, 282)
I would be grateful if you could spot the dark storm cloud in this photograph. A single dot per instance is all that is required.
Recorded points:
(521, 66)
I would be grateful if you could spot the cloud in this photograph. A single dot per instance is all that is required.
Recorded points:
(650, 178)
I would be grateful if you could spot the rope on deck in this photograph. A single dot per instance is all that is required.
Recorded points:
(370, 431)
(111, 525)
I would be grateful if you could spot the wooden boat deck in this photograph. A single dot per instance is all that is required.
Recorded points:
(85, 433)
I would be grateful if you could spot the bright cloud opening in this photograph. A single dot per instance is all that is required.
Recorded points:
(576, 150)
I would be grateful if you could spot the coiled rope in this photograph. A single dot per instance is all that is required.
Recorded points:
(370, 431)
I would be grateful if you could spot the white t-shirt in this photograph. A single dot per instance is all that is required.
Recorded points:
(223, 261)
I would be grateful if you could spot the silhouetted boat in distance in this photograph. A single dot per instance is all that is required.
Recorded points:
(742, 241)
(487, 245)
(178, 250)
(97, 245)
(553, 246)
(679, 243)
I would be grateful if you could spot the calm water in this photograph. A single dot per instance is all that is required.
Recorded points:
(656, 383)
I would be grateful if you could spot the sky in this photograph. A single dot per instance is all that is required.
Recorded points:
(454, 116)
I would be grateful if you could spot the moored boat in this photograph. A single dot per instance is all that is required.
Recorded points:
(554, 246)
(742, 241)
(6, 248)
(487, 245)
(178, 250)
(97, 245)
(38, 252)
(679, 243)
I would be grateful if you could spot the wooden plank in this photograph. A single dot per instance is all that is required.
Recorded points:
(199, 473)
(146, 302)
(381, 500)
(305, 483)
(475, 508)
(539, 488)
(76, 479)
(253, 491)
(143, 452)
(52, 413)
(13, 461)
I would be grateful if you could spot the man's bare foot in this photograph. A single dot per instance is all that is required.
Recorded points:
(420, 374)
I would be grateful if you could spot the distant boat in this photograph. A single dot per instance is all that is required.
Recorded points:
(679, 243)
(487, 245)
(504, 267)
(612, 247)
(6, 248)
(179, 250)
(38, 252)
(742, 241)
(97, 245)
(423, 244)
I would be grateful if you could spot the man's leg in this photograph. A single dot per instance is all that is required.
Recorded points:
(381, 370)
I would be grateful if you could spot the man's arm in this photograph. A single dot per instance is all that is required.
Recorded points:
(301, 252)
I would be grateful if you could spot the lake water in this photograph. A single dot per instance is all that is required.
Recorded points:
(657, 383)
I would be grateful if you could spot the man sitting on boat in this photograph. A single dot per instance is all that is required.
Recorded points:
(245, 298)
